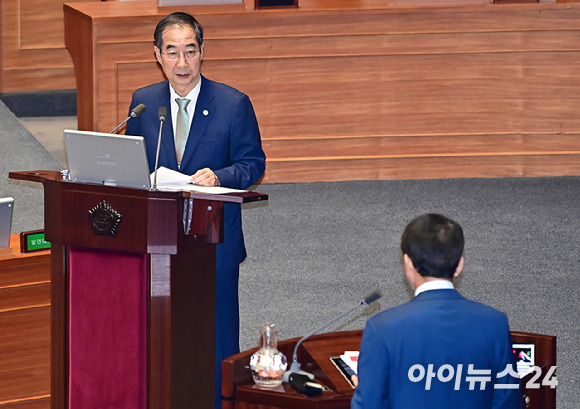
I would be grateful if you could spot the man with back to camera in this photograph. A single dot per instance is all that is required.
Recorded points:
(213, 136)
(422, 354)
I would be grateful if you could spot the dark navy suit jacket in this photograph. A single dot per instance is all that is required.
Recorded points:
(438, 328)
(224, 136)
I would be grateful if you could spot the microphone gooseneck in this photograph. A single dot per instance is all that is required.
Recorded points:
(162, 117)
(295, 366)
(135, 112)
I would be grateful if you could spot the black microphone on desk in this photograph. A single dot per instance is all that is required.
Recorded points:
(162, 118)
(295, 366)
(135, 112)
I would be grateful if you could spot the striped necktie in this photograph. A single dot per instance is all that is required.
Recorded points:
(181, 128)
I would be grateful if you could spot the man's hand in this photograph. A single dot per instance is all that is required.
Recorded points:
(205, 177)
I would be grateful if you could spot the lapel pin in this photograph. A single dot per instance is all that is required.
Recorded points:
(205, 112)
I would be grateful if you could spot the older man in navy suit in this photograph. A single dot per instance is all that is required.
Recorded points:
(213, 136)
(440, 350)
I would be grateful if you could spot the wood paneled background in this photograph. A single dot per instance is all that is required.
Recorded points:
(32, 47)
(343, 90)
(32, 50)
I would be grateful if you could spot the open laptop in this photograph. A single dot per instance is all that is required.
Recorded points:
(6, 209)
(107, 159)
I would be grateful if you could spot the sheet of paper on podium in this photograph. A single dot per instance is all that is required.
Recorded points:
(172, 180)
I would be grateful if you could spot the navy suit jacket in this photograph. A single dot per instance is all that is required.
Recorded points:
(224, 136)
(438, 327)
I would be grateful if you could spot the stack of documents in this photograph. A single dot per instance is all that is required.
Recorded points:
(172, 180)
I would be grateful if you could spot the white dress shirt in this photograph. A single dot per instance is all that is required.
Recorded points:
(434, 285)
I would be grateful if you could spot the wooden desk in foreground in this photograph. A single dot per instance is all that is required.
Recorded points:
(239, 391)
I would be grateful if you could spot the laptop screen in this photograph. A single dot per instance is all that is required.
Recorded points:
(109, 159)
(6, 209)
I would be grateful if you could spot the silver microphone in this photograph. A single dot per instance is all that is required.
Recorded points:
(135, 112)
(162, 118)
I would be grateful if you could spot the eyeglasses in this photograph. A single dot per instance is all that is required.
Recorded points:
(188, 54)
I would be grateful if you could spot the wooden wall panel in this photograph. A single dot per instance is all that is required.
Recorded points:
(25, 354)
(497, 83)
(33, 54)
(29, 296)
(427, 167)
(379, 93)
(40, 403)
(422, 145)
(415, 94)
(25, 324)
(41, 23)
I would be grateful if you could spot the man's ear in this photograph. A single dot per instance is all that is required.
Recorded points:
(157, 53)
(407, 263)
(410, 272)
(459, 268)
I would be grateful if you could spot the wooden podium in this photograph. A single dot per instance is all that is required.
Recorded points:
(239, 391)
(133, 294)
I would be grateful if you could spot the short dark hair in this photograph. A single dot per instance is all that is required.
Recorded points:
(177, 19)
(434, 244)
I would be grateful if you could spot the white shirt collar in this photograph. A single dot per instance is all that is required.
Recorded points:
(434, 285)
(193, 95)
